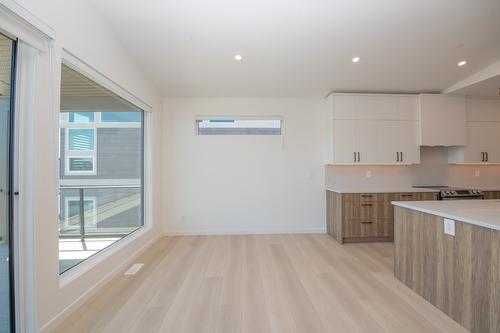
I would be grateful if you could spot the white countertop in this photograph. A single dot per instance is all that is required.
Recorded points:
(484, 213)
(402, 189)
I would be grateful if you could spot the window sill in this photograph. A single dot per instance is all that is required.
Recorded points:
(82, 268)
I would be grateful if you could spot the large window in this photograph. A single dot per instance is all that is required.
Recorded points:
(101, 168)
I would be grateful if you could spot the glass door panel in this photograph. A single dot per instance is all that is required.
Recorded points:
(6, 65)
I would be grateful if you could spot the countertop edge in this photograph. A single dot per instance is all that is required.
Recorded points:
(388, 190)
(408, 205)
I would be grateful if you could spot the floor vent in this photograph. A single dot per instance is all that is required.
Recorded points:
(134, 269)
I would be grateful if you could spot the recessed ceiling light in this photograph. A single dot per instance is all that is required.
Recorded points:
(462, 63)
(356, 59)
(238, 57)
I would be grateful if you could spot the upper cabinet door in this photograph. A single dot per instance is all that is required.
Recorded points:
(366, 141)
(344, 141)
(483, 139)
(343, 107)
(397, 142)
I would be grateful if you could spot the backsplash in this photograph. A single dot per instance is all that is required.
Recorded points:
(433, 170)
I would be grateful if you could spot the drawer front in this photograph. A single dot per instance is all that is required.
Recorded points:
(491, 195)
(360, 197)
(429, 196)
(409, 196)
(369, 228)
(361, 210)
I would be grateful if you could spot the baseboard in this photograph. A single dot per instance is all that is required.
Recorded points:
(63, 315)
(205, 232)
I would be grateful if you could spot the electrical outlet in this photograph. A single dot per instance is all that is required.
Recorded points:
(368, 174)
(477, 173)
(449, 227)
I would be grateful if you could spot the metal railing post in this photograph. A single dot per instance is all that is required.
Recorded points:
(82, 216)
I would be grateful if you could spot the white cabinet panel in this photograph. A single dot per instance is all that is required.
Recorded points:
(371, 129)
(370, 106)
(442, 120)
(479, 109)
(366, 140)
(343, 107)
(344, 141)
(397, 142)
(406, 108)
(482, 147)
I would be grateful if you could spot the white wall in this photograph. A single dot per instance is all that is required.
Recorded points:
(244, 184)
(79, 30)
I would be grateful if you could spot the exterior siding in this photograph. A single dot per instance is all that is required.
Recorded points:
(118, 154)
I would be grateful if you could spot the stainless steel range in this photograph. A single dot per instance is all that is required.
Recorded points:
(454, 193)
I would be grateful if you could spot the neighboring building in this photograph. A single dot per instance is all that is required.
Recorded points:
(101, 153)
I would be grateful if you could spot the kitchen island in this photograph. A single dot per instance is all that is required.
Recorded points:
(449, 253)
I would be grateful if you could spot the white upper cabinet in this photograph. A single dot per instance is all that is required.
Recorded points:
(344, 141)
(397, 142)
(483, 134)
(343, 107)
(442, 120)
(374, 129)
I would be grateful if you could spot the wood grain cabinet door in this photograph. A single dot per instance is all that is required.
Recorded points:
(488, 195)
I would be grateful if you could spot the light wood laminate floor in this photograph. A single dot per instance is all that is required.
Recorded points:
(270, 283)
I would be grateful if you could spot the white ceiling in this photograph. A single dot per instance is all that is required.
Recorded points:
(303, 48)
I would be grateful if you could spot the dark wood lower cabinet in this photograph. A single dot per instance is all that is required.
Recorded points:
(488, 195)
(365, 217)
(458, 274)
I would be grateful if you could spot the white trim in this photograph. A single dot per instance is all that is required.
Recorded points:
(88, 264)
(28, 18)
(100, 182)
(85, 69)
(204, 232)
(18, 23)
(24, 226)
(77, 199)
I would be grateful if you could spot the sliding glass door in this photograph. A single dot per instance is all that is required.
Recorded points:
(7, 48)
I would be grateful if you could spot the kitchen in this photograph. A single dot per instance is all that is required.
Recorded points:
(439, 205)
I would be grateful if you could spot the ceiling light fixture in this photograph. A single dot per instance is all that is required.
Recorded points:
(462, 63)
(238, 57)
(356, 59)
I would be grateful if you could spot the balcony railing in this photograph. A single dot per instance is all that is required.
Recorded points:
(94, 211)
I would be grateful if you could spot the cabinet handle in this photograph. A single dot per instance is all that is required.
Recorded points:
(366, 222)
(407, 195)
(402, 158)
(366, 205)
(366, 195)
(397, 156)
(354, 157)
(359, 157)
(482, 154)
(487, 157)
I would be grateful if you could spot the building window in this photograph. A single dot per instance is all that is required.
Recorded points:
(246, 126)
(81, 117)
(101, 151)
(81, 139)
(120, 117)
(72, 213)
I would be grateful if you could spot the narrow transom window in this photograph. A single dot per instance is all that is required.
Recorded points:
(234, 126)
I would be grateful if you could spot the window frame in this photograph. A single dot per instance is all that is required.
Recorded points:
(198, 119)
